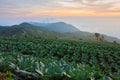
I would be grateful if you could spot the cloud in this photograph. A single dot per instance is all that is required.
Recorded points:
(51, 7)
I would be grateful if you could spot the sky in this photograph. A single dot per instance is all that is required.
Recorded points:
(89, 15)
(34, 8)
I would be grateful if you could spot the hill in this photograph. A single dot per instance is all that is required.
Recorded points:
(25, 29)
(59, 30)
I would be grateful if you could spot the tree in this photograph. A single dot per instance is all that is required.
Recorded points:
(115, 42)
(97, 35)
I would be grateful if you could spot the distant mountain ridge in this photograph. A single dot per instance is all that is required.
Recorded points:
(57, 27)
(59, 30)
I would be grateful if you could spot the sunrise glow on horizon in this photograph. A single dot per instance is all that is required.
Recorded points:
(34, 8)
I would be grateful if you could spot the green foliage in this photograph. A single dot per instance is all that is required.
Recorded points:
(6, 76)
(50, 59)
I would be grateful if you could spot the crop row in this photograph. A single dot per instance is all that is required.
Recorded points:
(48, 59)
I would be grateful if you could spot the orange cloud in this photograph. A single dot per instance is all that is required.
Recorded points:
(70, 13)
(40, 8)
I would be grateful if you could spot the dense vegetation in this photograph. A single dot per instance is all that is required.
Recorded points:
(50, 59)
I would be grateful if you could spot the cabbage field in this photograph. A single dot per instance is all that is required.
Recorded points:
(51, 59)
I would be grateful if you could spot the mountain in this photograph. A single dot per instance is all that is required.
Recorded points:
(59, 30)
(26, 29)
(38, 24)
(57, 27)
